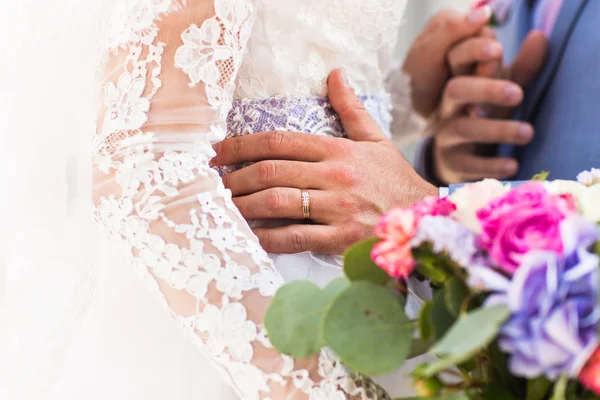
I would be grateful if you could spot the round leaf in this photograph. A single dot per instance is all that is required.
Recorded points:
(294, 319)
(441, 319)
(455, 293)
(425, 321)
(358, 265)
(468, 335)
(336, 286)
(367, 328)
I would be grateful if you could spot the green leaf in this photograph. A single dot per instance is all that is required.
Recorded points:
(560, 388)
(469, 335)
(538, 388)
(294, 319)
(499, 365)
(358, 265)
(444, 396)
(441, 319)
(419, 347)
(336, 286)
(455, 294)
(429, 265)
(542, 176)
(497, 391)
(425, 328)
(367, 328)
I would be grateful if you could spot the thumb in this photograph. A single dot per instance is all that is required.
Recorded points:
(356, 120)
(531, 58)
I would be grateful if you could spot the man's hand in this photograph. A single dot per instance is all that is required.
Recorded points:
(351, 182)
(426, 62)
(457, 154)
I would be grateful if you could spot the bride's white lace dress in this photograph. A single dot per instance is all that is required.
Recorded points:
(173, 307)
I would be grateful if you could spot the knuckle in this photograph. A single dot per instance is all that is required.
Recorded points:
(267, 171)
(275, 140)
(265, 238)
(349, 206)
(298, 241)
(274, 199)
(453, 88)
(343, 174)
(340, 147)
(352, 110)
(463, 127)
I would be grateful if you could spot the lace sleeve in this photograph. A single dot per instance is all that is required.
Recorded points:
(407, 123)
(167, 87)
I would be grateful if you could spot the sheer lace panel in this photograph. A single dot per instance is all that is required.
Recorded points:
(167, 87)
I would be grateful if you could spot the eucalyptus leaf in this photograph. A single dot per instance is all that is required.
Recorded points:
(359, 266)
(538, 388)
(368, 330)
(499, 366)
(560, 388)
(425, 328)
(469, 335)
(542, 176)
(497, 391)
(419, 347)
(336, 286)
(428, 265)
(441, 319)
(293, 320)
(455, 293)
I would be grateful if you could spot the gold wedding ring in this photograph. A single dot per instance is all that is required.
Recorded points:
(305, 204)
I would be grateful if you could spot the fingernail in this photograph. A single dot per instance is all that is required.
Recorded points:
(525, 133)
(480, 15)
(493, 49)
(345, 80)
(510, 167)
(216, 147)
(512, 92)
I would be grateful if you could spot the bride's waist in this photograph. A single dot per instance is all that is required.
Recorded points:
(305, 114)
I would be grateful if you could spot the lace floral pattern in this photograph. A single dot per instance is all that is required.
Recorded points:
(156, 195)
(307, 114)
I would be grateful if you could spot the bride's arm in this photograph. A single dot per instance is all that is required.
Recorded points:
(167, 87)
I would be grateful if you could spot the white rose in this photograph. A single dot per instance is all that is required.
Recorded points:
(590, 203)
(588, 197)
(473, 197)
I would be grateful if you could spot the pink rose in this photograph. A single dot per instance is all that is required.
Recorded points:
(527, 218)
(393, 254)
(397, 228)
(434, 206)
(394, 258)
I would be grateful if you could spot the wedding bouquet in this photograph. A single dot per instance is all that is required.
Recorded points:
(512, 311)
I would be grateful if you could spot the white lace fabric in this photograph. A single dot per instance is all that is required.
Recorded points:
(168, 84)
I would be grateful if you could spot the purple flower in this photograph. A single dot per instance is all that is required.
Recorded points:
(553, 300)
(449, 236)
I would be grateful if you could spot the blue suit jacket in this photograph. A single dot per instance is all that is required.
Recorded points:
(563, 103)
